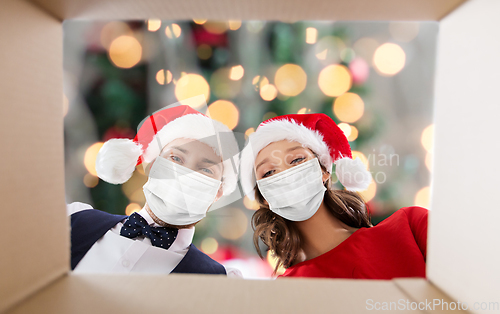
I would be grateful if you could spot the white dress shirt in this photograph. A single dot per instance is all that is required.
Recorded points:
(114, 253)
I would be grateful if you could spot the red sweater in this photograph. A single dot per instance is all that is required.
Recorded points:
(396, 247)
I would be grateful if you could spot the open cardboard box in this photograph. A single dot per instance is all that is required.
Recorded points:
(464, 237)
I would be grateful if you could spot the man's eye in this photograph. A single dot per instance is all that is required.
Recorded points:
(175, 158)
(267, 174)
(206, 170)
(297, 160)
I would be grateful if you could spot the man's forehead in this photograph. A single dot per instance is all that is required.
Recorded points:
(194, 148)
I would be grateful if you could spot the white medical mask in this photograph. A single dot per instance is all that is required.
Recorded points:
(295, 193)
(178, 195)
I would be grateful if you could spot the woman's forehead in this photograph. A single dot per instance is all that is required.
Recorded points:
(280, 149)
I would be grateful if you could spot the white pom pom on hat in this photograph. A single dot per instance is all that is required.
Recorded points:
(352, 174)
(317, 132)
(117, 159)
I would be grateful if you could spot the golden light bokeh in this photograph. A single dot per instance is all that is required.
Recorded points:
(428, 161)
(365, 48)
(90, 181)
(311, 35)
(133, 187)
(346, 128)
(259, 81)
(90, 156)
(168, 77)
(349, 107)
(200, 21)
(268, 92)
(125, 52)
(225, 112)
(354, 134)
(204, 51)
(290, 79)
(357, 154)
(248, 132)
(389, 59)
(113, 30)
(404, 31)
(154, 25)
(273, 261)
(334, 80)
(422, 198)
(216, 27)
(191, 85)
(234, 225)
(369, 193)
(209, 245)
(222, 85)
(304, 110)
(132, 208)
(173, 31)
(160, 77)
(427, 138)
(269, 115)
(234, 24)
(263, 82)
(236, 72)
(249, 204)
(163, 77)
(322, 55)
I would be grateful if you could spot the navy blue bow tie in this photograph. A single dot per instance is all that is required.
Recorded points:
(136, 225)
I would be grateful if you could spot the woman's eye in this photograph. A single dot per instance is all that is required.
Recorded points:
(267, 174)
(297, 160)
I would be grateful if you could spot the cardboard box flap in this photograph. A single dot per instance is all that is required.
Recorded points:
(210, 294)
(367, 10)
(35, 237)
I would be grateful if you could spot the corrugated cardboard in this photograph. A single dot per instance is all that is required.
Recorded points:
(35, 243)
(208, 294)
(36, 262)
(464, 247)
(289, 10)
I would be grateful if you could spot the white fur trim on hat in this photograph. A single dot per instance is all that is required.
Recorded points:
(116, 160)
(352, 173)
(208, 131)
(274, 131)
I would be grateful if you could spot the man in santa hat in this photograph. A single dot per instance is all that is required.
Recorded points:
(191, 161)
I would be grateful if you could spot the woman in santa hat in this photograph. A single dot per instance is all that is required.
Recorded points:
(312, 229)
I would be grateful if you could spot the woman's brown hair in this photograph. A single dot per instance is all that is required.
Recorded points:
(281, 236)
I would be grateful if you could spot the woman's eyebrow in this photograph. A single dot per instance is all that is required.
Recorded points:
(261, 163)
(294, 148)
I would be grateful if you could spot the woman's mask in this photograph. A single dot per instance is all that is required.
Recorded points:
(178, 195)
(295, 193)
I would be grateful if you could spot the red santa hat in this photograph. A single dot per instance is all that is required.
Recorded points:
(117, 158)
(317, 132)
